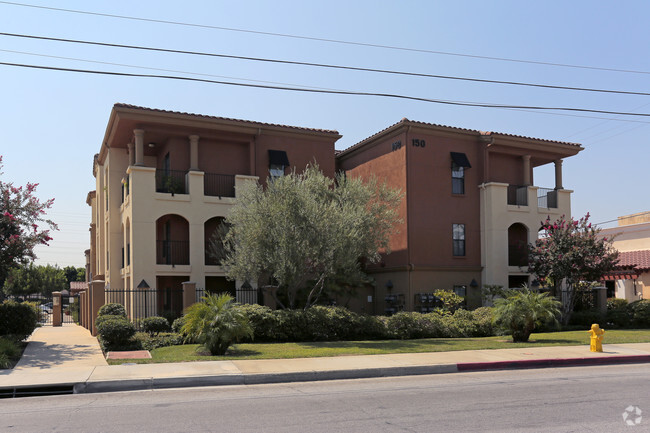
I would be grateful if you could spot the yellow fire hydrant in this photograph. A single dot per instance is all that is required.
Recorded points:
(596, 338)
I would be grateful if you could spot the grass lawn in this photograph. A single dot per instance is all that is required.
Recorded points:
(189, 352)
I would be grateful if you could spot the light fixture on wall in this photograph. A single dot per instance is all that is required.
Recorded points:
(389, 285)
(143, 285)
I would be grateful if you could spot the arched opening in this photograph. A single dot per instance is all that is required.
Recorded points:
(214, 230)
(172, 240)
(518, 245)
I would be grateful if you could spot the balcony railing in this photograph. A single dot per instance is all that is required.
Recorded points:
(546, 198)
(518, 195)
(172, 252)
(170, 181)
(219, 185)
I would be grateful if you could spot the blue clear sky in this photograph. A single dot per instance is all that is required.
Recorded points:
(52, 123)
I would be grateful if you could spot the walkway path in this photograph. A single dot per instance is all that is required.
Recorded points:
(63, 354)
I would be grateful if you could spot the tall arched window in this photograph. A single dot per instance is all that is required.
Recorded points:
(518, 245)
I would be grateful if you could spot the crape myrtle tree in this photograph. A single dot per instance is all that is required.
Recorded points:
(305, 230)
(567, 252)
(23, 225)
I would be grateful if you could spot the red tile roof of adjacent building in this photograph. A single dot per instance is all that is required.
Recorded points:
(228, 119)
(638, 260)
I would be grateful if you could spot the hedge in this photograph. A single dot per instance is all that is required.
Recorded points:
(18, 320)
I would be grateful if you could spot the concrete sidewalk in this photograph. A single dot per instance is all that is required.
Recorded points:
(71, 358)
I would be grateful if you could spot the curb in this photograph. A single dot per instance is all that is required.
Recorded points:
(547, 363)
(258, 378)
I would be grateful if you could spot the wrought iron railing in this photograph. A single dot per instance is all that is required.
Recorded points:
(518, 195)
(172, 252)
(219, 185)
(171, 181)
(546, 198)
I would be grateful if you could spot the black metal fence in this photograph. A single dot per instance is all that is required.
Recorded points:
(518, 195)
(244, 295)
(219, 185)
(172, 252)
(546, 198)
(171, 181)
(142, 303)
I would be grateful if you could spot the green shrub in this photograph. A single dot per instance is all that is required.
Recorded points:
(162, 339)
(263, 320)
(170, 316)
(616, 303)
(9, 351)
(640, 313)
(618, 318)
(371, 328)
(217, 322)
(484, 318)
(112, 310)
(586, 318)
(18, 320)
(178, 324)
(407, 325)
(450, 300)
(331, 323)
(154, 325)
(115, 332)
(291, 326)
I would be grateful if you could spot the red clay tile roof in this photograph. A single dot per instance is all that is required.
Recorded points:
(203, 116)
(638, 260)
(406, 121)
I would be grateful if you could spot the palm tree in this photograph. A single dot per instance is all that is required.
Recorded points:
(521, 311)
(217, 322)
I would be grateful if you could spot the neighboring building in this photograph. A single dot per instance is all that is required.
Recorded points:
(631, 278)
(165, 180)
(469, 212)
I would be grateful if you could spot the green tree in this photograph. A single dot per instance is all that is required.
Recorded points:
(217, 322)
(521, 311)
(305, 230)
(74, 274)
(21, 222)
(567, 252)
(31, 279)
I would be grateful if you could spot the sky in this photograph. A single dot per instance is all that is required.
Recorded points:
(53, 122)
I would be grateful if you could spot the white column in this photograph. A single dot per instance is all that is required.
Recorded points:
(139, 146)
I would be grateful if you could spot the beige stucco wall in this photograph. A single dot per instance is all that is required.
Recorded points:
(633, 237)
(497, 215)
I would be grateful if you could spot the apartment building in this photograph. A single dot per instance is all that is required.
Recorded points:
(470, 209)
(164, 182)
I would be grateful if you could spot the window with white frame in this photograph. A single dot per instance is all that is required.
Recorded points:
(458, 237)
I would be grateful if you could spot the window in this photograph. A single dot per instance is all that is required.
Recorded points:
(457, 179)
(460, 290)
(459, 163)
(278, 161)
(459, 239)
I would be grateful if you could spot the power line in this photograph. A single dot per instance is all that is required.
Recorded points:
(624, 218)
(325, 65)
(154, 69)
(311, 38)
(331, 92)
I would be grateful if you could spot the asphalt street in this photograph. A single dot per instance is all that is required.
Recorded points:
(575, 399)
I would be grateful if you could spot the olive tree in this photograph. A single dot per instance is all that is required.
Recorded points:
(305, 230)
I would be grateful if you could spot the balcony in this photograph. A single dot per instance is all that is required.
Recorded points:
(518, 196)
(171, 181)
(172, 253)
(219, 185)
